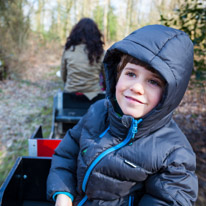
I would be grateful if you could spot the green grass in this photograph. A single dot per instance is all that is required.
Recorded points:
(20, 147)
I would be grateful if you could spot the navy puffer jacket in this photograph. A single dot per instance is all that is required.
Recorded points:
(109, 160)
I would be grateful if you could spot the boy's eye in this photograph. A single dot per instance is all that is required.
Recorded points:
(154, 82)
(131, 74)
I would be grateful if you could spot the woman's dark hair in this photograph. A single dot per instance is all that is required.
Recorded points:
(86, 31)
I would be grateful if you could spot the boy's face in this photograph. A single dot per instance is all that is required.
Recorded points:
(138, 90)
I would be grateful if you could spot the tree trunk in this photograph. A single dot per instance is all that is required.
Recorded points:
(105, 22)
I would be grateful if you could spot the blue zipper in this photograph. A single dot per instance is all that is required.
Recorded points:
(101, 135)
(131, 134)
(82, 201)
(131, 200)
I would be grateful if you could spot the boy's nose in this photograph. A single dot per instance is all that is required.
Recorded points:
(138, 87)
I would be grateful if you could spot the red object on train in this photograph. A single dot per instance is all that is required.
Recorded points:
(46, 147)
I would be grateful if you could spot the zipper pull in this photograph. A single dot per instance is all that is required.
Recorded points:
(135, 126)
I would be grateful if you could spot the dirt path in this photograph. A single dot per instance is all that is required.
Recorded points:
(25, 104)
(21, 104)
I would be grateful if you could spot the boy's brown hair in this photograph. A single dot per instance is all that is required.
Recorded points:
(125, 58)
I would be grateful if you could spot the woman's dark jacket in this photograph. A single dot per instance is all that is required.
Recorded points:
(109, 160)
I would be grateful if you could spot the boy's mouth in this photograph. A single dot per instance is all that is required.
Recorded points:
(134, 99)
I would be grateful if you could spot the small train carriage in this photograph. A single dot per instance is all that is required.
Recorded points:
(26, 183)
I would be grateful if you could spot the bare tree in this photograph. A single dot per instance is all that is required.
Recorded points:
(14, 30)
(105, 22)
(40, 15)
(66, 21)
(163, 7)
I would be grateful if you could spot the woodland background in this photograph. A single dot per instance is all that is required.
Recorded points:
(32, 37)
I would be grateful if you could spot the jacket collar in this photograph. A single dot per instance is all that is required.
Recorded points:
(120, 125)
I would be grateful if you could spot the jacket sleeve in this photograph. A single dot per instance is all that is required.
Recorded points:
(62, 174)
(63, 68)
(175, 184)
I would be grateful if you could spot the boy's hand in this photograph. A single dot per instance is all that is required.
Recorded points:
(63, 200)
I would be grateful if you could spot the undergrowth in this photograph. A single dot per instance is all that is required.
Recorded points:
(19, 147)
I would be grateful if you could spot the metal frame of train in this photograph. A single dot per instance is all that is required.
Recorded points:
(26, 183)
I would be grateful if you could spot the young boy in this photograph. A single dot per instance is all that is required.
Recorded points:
(127, 149)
